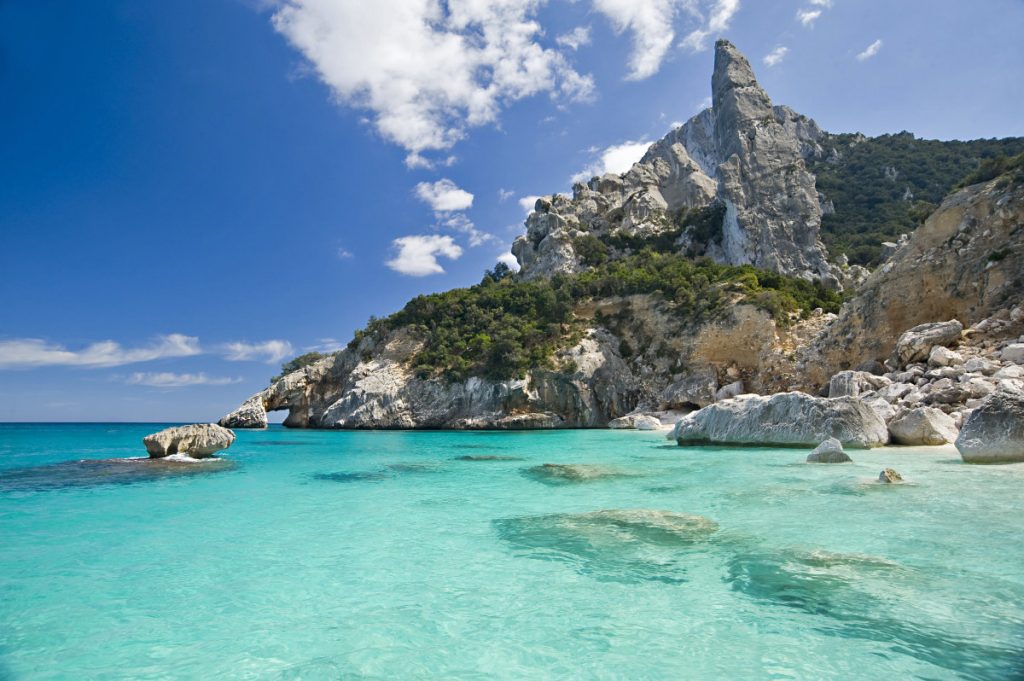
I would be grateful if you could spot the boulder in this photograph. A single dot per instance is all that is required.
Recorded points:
(1014, 352)
(251, 414)
(941, 356)
(853, 383)
(981, 365)
(197, 441)
(885, 411)
(697, 388)
(784, 419)
(916, 344)
(636, 422)
(889, 476)
(731, 390)
(829, 451)
(994, 431)
(923, 426)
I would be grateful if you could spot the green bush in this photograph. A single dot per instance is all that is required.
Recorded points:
(298, 363)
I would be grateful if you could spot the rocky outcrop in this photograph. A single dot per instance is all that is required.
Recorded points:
(994, 432)
(743, 153)
(923, 426)
(252, 414)
(829, 451)
(635, 422)
(965, 263)
(916, 344)
(784, 419)
(889, 476)
(196, 441)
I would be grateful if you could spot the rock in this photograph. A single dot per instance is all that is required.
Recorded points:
(829, 451)
(853, 383)
(197, 441)
(731, 390)
(885, 411)
(994, 431)
(916, 344)
(889, 476)
(568, 473)
(1013, 352)
(251, 414)
(981, 365)
(636, 422)
(943, 357)
(790, 419)
(697, 389)
(923, 426)
(888, 250)
(1010, 372)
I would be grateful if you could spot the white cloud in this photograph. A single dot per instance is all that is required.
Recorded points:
(428, 70)
(509, 260)
(344, 254)
(703, 104)
(575, 39)
(270, 351)
(417, 255)
(822, 3)
(166, 379)
(528, 202)
(651, 23)
(325, 345)
(870, 51)
(35, 352)
(505, 194)
(458, 222)
(719, 17)
(617, 159)
(444, 196)
(775, 56)
(807, 17)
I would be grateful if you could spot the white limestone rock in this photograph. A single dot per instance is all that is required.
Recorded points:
(197, 441)
(994, 431)
(923, 426)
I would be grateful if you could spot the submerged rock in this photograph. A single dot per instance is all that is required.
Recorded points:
(923, 426)
(889, 476)
(829, 451)
(784, 419)
(567, 473)
(197, 441)
(994, 431)
(486, 457)
(622, 545)
(91, 472)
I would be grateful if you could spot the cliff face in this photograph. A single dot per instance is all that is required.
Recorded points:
(374, 385)
(966, 263)
(743, 153)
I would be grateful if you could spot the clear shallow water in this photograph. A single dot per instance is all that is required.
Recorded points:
(389, 555)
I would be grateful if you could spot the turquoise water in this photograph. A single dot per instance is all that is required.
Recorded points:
(383, 555)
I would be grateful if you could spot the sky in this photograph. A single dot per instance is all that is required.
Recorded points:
(193, 192)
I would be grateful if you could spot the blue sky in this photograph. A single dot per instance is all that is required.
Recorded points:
(192, 191)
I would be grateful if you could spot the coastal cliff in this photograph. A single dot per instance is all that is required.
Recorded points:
(699, 274)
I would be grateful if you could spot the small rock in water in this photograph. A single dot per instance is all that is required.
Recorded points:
(829, 451)
(562, 473)
(889, 475)
(197, 441)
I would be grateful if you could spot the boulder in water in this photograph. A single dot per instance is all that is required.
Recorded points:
(889, 476)
(829, 451)
(197, 441)
(994, 431)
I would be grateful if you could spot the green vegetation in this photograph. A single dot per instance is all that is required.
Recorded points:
(299, 362)
(502, 327)
(991, 168)
(885, 186)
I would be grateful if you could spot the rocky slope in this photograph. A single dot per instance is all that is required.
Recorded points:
(731, 185)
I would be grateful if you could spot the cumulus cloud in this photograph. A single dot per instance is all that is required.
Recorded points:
(617, 159)
(651, 24)
(510, 260)
(35, 352)
(444, 195)
(270, 351)
(870, 51)
(575, 39)
(719, 16)
(344, 254)
(775, 56)
(426, 70)
(505, 194)
(166, 379)
(458, 222)
(528, 202)
(417, 255)
(325, 345)
(807, 17)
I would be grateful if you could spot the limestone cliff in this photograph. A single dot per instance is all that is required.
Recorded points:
(743, 153)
